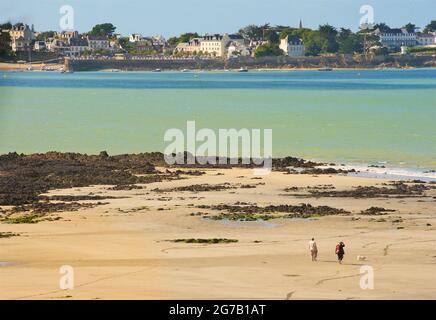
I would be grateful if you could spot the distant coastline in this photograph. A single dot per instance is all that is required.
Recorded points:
(340, 62)
(263, 63)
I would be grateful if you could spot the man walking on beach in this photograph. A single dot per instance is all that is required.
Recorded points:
(313, 249)
(340, 251)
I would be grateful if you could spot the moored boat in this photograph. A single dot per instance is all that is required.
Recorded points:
(325, 69)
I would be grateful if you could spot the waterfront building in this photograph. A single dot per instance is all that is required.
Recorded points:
(193, 46)
(22, 37)
(67, 35)
(292, 46)
(236, 49)
(426, 39)
(216, 44)
(135, 37)
(39, 45)
(395, 38)
(78, 46)
(57, 45)
(98, 43)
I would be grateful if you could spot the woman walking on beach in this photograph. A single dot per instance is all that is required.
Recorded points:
(313, 249)
(340, 251)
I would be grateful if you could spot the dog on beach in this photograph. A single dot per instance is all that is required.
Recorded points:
(361, 258)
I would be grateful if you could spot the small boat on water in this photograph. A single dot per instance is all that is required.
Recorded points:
(157, 70)
(243, 69)
(185, 70)
(325, 69)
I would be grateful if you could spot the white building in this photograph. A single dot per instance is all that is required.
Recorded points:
(21, 37)
(57, 45)
(135, 37)
(145, 45)
(39, 45)
(292, 46)
(159, 40)
(216, 44)
(213, 45)
(255, 43)
(98, 43)
(396, 38)
(426, 39)
(236, 49)
(67, 35)
(78, 46)
(193, 46)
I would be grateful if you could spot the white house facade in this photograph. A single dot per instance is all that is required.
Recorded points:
(426, 39)
(78, 46)
(292, 46)
(397, 38)
(216, 44)
(98, 43)
(21, 37)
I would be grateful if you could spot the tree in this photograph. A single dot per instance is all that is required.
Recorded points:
(272, 37)
(103, 30)
(125, 44)
(188, 36)
(253, 31)
(383, 27)
(410, 27)
(313, 44)
(173, 41)
(185, 37)
(352, 44)
(5, 43)
(381, 51)
(286, 32)
(268, 50)
(431, 27)
(327, 34)
(46, 34)
(6, 26)
(344, 34)
(281, 28)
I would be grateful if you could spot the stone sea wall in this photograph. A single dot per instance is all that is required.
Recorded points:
(339, 61)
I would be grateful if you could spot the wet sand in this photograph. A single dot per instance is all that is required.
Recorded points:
(120, 250)
(4, 66)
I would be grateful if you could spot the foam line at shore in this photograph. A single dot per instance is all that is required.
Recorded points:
(387, 172)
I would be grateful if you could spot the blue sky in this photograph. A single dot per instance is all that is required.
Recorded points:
(171, 17)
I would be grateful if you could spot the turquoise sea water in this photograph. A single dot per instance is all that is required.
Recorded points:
(353, 117)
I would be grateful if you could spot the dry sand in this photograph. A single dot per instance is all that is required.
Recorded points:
(120, 253)
(4, 66)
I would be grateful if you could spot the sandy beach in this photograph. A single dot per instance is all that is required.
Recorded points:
(124, 249)
(4, 66)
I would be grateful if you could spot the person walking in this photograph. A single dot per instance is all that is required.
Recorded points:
(340, 251)
(313, 249)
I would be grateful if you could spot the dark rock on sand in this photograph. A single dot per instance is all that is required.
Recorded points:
(23, 177)
(396, 190)
(254, 212)
(198, 188)
(47, 207)
(376, 211)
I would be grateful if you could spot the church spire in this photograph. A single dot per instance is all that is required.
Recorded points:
(301, 24)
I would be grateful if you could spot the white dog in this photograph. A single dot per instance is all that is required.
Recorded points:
(361, 258)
